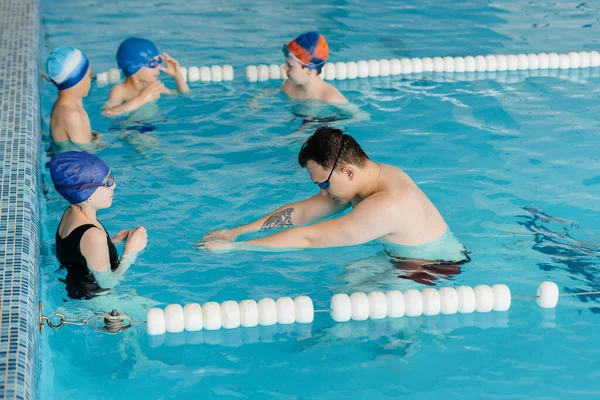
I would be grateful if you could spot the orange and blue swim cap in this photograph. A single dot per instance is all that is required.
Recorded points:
(309, 49)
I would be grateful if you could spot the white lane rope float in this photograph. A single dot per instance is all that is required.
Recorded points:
(358, 306)
(391, 67)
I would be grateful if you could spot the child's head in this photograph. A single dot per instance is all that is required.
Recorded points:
(69, 69)
(305, 57)
(139, 57)
(82, 178)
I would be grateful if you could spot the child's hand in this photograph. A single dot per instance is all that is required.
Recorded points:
(152, 92)
(171, 65)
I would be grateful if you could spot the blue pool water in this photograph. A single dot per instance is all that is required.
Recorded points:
(512, 165)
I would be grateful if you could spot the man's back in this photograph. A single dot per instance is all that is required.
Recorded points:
(412, 217)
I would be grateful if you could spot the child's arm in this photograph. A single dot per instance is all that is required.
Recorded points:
(254, 102)
(114, 106)
(332, 95)
(71, 123)
(172, 68)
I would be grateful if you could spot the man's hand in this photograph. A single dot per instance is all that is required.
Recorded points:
(216, 246)
(222, 234)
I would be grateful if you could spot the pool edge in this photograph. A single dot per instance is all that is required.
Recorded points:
(19, 199)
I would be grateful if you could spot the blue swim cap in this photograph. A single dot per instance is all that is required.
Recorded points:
(77, 174)
(134, 53)
(66, 66)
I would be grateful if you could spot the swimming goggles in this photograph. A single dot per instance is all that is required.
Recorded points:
(153, 63)
(108, 181)
(325, 184)
(288, 54)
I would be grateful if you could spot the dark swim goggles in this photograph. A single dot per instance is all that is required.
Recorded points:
(108, 181)
(153, 63)
(325, 184)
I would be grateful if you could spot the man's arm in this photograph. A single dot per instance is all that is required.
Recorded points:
(303, 212)
(368, 221)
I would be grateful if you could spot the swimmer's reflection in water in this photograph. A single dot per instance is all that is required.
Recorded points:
(427, 272)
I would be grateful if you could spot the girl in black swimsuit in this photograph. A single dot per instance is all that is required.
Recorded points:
(83, 245)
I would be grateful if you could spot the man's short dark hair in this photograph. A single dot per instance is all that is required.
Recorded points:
(324, 145)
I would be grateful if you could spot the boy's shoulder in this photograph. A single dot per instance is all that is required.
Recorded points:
(332, 95)
(287, 86)
(117, 90)
(63, 111)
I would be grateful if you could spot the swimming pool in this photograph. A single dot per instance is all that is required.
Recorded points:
(512, 167)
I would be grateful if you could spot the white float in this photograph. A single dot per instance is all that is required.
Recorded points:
(252, 73)
(192, 317)
(406, 65)
(484, 298)
(416, 65)
(351, 70)
(459, 64)
(359, 306)
(448, 301)
(384, 67)
(341, 308)
(230, 315)
(502, 297)
(174, 322)
(466, 299)
(340, 71)
(248, 313)
(377, 305)
(227, 73)
(547, 295)
(362, 68)
(211, 316)
(286, 311)
(431, 301)
(205, 74)
(263, 73)
(373, 68)
(427, 64)
(305, 312)
(193, 74)
(395, 304)
(413, 303)
(274, 71)
(155, 322)
(114, 75)
(267, 312)
(470, 65)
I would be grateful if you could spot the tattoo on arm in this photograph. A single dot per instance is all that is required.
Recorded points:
(277, 220)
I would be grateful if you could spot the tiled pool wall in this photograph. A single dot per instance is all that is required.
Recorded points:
(19, 199)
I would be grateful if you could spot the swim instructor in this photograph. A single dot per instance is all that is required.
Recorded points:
(386, 206)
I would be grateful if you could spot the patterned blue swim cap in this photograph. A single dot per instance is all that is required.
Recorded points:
(66, 66)
(77, 174)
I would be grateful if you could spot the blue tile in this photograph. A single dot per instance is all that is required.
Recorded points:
(19, 204)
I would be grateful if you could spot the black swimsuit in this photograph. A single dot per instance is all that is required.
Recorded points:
(80, 281)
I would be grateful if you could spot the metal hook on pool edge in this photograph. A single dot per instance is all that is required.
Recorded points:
(47, 320)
